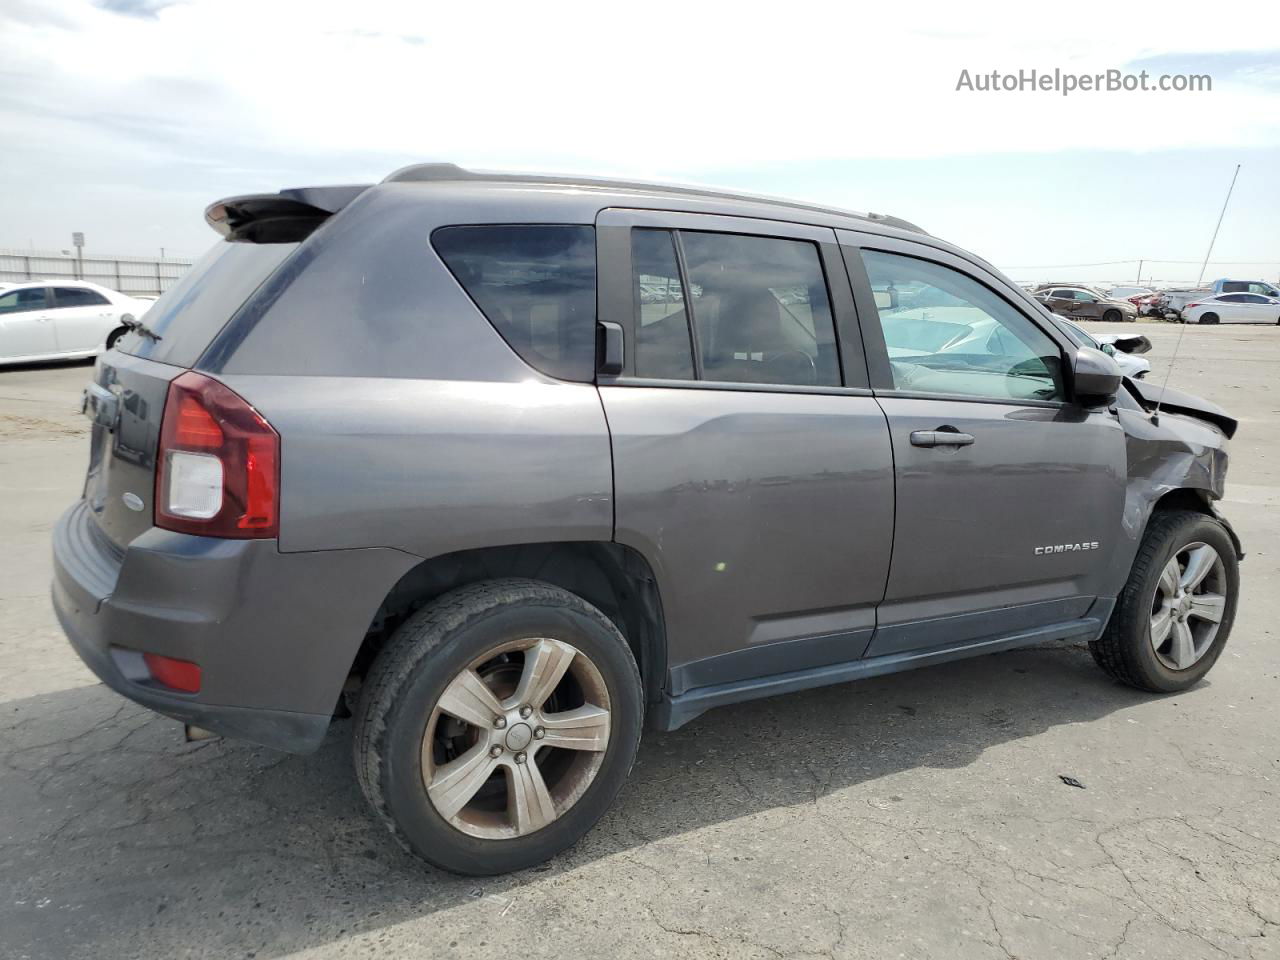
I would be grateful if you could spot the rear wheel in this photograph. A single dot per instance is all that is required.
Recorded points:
(497, 726)
(115, 335)
(1174, 615)
(1208, 318)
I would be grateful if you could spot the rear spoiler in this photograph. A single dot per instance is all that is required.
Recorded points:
(1175, 401)
(284, 217)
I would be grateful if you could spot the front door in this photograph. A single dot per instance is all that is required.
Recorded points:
(1009, 497)
(26, 329)
(752, 466)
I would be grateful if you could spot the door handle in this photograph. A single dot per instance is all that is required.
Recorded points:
(942, 437)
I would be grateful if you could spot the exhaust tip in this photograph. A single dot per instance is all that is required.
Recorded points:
(194, 733)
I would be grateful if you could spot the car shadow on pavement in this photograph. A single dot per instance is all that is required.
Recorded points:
(115, 833)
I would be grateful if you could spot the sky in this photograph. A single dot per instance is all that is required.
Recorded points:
(123, 119)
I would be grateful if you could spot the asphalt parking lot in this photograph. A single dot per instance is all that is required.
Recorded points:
(915, 816)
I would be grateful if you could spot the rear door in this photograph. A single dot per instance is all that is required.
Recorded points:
(751, 463)
(1009, 497)
(25, 326)
(82, 318)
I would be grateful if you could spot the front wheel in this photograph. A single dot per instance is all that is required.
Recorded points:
(1112, 316)
(1173, 617)
(497, 726)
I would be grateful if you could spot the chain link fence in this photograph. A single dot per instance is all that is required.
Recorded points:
(135, 276)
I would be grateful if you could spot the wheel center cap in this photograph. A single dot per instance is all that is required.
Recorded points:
(519, 736)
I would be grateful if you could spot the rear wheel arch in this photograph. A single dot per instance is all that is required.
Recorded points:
(614, 578)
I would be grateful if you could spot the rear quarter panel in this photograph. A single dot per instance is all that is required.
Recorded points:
(433, 466)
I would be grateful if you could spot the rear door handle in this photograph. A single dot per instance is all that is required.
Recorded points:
(944, 437)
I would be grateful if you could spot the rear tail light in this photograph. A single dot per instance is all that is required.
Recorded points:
(1190, 305)
(218, 465)
(170, 672)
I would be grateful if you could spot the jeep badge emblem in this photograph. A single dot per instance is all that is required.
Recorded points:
(132, 501)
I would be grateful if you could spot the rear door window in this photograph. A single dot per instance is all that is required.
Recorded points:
(760, 310)
(759, 307)
(537, 286)
(78, 297)
(663, 348)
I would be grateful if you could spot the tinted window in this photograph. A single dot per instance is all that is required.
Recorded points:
(191, 312)
(1253, 298)
(1233, 298)
(760, 310)
(536, 284)
(662, 343)
(1064, 294)
(16, 301)
(77, 297)
(948, 334)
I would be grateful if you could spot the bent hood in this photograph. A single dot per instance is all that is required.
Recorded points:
(1175, 401)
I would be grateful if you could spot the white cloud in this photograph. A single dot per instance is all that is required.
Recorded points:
(626, 87)
(164, 105)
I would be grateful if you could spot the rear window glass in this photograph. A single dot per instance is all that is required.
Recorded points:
(191, 312)
(537, 286)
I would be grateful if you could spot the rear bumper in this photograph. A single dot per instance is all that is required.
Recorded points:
(274, 633)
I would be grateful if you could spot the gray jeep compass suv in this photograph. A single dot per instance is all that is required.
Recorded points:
(516, 465)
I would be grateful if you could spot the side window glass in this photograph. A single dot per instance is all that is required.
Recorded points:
(77, 297)
(1063, 295)
(17, 301)
(946, 333)
(760, 310)
(662, 345)
(537, 286)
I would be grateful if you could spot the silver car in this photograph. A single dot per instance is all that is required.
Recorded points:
(513, 467)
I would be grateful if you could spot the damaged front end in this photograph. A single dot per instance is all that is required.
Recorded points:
(1177, 457)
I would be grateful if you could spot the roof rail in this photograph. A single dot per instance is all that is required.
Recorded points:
(451, 172)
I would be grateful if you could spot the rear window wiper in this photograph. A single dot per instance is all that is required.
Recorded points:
(140, 328)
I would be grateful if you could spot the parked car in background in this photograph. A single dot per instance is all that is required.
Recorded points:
(1172, 302)
(61, 320)
(1129, 293)
(559, 511)
(1076, 302)
(1234, 308)
(1118, 346)
(1260, 287)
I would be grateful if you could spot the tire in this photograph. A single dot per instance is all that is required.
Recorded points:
(115, 335)
(1208, 318)
(403, 736)
(1126, 650)
(1112, 316)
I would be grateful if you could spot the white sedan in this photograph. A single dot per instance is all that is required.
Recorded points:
(61, 320)
(1234, 308)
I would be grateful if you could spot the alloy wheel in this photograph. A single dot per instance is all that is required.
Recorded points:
(1188, 607)
(516, 738)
